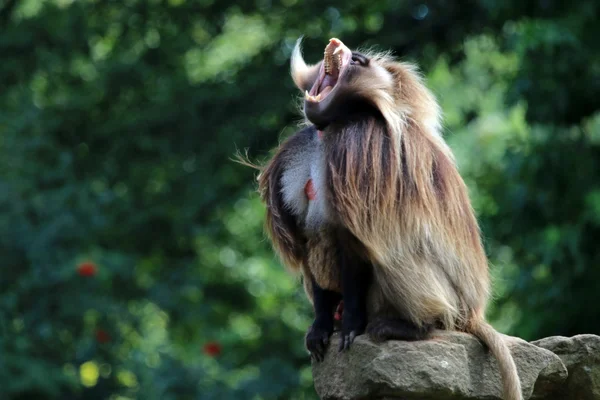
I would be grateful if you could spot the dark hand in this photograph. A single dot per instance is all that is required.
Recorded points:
(352, 326)
(317, 339)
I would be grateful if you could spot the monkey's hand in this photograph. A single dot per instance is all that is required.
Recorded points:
(317, 338)
(353, 324)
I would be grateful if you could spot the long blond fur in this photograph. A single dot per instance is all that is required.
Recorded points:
(393, 183)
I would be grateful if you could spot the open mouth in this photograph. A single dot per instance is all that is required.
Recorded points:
(336, 58)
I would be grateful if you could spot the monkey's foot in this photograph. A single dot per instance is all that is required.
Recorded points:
(381, 329)
(317, 339)
(352, 326)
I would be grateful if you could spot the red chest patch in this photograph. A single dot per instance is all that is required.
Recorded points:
(320, 134)
(309, 190)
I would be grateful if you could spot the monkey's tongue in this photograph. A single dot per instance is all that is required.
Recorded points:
(327, 84)
(324, 85)
(326, 90)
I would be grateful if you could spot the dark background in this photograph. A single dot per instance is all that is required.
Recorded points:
(134, 265)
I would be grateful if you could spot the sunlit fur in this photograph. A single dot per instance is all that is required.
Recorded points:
(302, 74)
(392, 182)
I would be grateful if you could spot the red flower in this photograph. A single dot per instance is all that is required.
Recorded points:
(213, 349)
(87, 269)
(102, 336)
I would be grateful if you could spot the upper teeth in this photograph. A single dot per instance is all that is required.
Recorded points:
(329, 61)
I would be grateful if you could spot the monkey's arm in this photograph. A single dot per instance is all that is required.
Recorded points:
(281, 226)
(317, 337)
(356, 275)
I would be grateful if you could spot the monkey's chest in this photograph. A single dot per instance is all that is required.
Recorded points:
(303, 185)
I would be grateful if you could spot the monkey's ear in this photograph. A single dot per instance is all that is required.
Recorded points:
(304, 76)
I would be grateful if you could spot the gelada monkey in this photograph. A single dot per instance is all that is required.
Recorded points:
(367, 203)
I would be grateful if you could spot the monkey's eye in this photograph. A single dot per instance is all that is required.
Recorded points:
(359, 59)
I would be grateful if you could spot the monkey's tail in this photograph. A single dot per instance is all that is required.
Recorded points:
(508, 370)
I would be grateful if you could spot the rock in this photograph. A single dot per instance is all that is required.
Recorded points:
(449, 366)
(581, 356)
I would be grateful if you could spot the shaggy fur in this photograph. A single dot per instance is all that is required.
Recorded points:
(388, 178)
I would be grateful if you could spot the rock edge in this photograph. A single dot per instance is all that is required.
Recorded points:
(457, 366)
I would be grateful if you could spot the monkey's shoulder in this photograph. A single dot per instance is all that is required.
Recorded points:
(304, 138)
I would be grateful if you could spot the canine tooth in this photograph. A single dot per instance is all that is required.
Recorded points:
(337, 50)
(308, 97)
(318, 98)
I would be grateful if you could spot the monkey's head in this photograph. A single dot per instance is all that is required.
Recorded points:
(342, 80)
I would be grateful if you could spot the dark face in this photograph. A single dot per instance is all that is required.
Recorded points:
(333, 87)
(343, 85)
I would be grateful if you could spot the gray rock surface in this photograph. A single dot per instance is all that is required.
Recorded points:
(581, 355)
(456, 366)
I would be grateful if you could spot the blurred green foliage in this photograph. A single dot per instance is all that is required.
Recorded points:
(133, 260)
